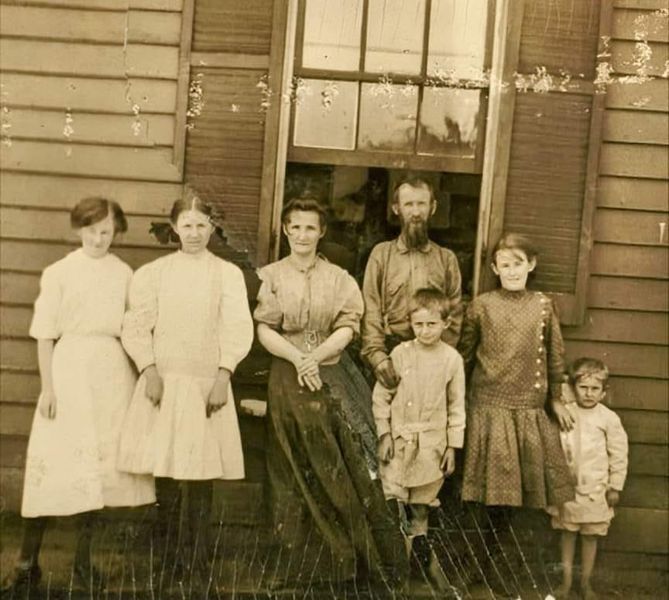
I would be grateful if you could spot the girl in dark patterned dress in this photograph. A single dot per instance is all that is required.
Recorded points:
(513, 351)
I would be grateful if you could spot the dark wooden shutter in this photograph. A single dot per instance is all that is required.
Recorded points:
(546, 188)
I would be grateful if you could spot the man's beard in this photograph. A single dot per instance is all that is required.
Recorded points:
(415, 233)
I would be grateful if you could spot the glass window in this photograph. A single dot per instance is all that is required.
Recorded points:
(388, 117)
(332, 34)
(395, 36)
(457, 39)
(325, 114)
(449, 121)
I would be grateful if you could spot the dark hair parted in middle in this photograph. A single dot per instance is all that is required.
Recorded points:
(431, 299)
(190, 201)
(515, 241)
(304, 205)
(90, 211)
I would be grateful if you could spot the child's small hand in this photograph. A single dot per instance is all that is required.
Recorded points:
(448, 462)
(47, 404)
(563, 416)
(612, 497)
(385, 449)
(218, 397)
(154, 385)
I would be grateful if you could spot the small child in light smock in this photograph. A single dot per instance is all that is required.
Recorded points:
(422, 421)
(596, 452)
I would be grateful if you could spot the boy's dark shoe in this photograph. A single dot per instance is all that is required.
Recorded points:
(21, 582)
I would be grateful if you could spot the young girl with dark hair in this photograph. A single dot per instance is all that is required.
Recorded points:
(87, 382)
(514, 358)
(187, 327)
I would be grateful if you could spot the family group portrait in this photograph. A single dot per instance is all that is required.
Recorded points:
(334, 299)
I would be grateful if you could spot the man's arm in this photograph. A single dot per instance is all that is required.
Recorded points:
(373, 334)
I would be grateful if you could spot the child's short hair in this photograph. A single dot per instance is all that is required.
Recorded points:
(90, 211)
(588, 367)
(515, 241)
(190, 201)
(431, 299)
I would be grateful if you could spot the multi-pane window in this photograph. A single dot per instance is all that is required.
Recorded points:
(394, 83)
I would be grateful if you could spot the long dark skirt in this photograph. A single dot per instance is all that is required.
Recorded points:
(327, 504)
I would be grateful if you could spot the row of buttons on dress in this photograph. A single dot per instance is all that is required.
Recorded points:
(544, 314)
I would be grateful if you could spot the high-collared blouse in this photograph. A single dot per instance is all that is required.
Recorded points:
(392, 276)
(305, 305)
(512, 347)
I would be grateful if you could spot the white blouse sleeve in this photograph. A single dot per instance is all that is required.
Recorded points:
(140, 317)
(235, 334)
(45, 323)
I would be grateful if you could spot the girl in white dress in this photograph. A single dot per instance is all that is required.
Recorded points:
(87, 382)
(187, 327)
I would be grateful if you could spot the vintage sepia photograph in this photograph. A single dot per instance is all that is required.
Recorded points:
(334, 299)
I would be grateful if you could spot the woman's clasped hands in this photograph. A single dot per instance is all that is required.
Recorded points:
(308, 373)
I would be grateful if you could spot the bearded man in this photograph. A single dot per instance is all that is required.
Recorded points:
(396, 269)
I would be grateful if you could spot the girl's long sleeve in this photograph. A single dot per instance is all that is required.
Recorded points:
(236, 325)
(554, 354)
(140, 318)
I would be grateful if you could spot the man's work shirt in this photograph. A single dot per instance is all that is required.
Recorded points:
(393, 274)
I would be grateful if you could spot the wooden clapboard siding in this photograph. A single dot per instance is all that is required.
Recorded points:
(629, 24)
(635, 127)
(652, 95)
(627, 320)
(638, 194)
(123, 130)
(94, 60)
(91, 26)
(631, 261)
(80, 94)
(90, 107)
(61, 192)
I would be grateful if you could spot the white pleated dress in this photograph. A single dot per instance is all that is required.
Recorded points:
(70, 466)
(188, 315)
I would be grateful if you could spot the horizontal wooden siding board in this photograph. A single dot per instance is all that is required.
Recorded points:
(650, 95)
(631, 261)
(631, 227)
(636, 127)
(63, 192)
(631, 24)
(133, 60)
(624, 58)
(622, 326)
(639, 393)
(628, 293)
(633, 193)
(634, 160)
(638, 530)
(635, 360)
(144, 27)
(140, 130)
(119, 5)
(92, 95)
(152, 164)
(54, 226)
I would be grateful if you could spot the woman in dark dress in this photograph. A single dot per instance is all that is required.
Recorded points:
(327, 503)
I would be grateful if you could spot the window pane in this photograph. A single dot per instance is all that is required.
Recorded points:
(457, 38)
(449, 122)
(395, 36)
(332, 34)
(388, 117)
(325, 114)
